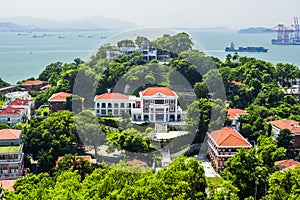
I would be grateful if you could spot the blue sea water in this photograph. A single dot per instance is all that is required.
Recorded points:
(25, 56)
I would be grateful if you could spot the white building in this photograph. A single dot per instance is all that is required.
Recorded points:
(149, 53)
(16, 111)
(154, 104)
(11, 154)
(113, 104)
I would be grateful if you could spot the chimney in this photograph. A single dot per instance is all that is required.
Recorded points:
(109, 90)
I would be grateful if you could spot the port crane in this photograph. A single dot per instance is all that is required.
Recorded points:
(287, 35)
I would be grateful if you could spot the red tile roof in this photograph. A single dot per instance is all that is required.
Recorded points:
(151, 91)
(32, 82)
(232, 112)
(287, 164)
(112, 96)
(6, 134)
(9, 110)
(61, 96)
(292, 125)
(20, 102)
(137, 162)
(8, 184)
(235, 82)
(229, 137)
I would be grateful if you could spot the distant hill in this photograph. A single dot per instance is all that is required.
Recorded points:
(8, 26)
(255, 30)
(87, 23)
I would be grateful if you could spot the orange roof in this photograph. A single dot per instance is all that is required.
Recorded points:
(229, 137)
(61, 96)
(292, 125)
(151, 91)
(235, 82)
(6, 134)
(136, 162)
(112, 96)
(287, 164)
(232, 113)
(8, 184)
(33, 82)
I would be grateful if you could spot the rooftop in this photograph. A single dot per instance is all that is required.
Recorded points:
(151, 91)
(234, 112)
(235, 82)
(292, 125)
(287, 164)
(110, 96)
(20, 102)
(32, 82)
(9, 110)
(6, 134)
(137, 162)
(61, 96)
(228, 137)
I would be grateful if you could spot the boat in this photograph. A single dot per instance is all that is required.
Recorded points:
(90, 36)
(38, 36)
(245, 49)
(61, 37)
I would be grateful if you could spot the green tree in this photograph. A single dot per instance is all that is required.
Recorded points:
(50, 138)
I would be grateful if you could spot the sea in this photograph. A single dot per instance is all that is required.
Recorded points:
(25, 55)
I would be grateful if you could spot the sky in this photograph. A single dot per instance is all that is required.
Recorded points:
(233, 14)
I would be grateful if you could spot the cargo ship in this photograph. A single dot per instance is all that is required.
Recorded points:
(245, 49)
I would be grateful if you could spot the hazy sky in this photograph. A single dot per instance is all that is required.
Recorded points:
(162, 13)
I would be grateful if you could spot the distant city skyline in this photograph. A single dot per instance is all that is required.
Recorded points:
(234, 14)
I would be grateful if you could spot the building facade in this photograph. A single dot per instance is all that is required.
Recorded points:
(234, 115)
(58, 101)
(223, 144)
(154, 104)
(113, 104)
(16, 111)
(11, 154)
(292, 125)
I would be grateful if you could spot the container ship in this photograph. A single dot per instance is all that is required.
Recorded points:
(245, 49)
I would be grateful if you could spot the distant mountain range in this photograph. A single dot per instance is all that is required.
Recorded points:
(255, 30)
(87, 23)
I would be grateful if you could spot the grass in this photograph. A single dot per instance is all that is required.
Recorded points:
(9, 149)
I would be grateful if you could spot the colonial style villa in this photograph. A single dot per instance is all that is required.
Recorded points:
(292, 125)
(16, 111)
(222, 144)
(149, 53)
(154, 104)
(11, 154)
(58, 101)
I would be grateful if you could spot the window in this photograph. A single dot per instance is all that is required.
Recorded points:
(98, 105)
(122, 105)
(116, 105)
(109, 105)
(103, 105)
(172, 101)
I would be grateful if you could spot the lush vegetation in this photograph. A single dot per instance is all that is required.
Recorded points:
(183, 179)
(249, 174)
